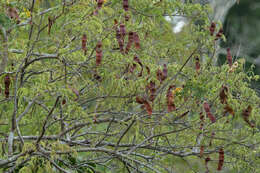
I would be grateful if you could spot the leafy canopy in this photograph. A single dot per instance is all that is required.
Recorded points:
(106, 86)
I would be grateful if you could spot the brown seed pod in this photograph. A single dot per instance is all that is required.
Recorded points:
(136, 40)
(125, 5)
(130, 41)
(99, 53)
(84, 43)
(170, 97)
(221, 159)
(212, 28)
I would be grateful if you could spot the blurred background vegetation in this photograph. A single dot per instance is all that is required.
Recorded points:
(241, 28)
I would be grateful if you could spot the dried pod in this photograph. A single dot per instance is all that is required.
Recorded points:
(152, 88)
(162, 75)
(99, 53)
(219, 34)
(209, 114)
(246, 113)
(7, 81)
(207, 159)
(201, 120)
(119, 40)
(122, 30)
(148, 108)
(197, 64)
(229, 57)
(50, 23)
(130, 41)
(223, 95)
(159, 75)
(84, 43)
(212, 28)
(7, 93)
(164, 72)
(145, 105)
(140, 100)
(136, 40)
(221, 159)
(228, 109)
(125, 5)
(100, 3)
(13, 14)
(170, 103)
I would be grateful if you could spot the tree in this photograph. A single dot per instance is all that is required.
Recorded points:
(106, 86)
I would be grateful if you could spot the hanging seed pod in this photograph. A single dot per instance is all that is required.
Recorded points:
(162, 75)
(130, 41)
(136, 41)
(207, 159)
(219, 34)
(84, 43)
(159, 75)
(209, 114)
(212, 28)
(145, 104)
(197, 64)
(152, 88)
(148, 108)
(125, 5)
(223, 95)
(122, 30)
(221, 159)
(119, 40)
(13, 14)
(164, 72)
(201, 120)
(228, 109)
(170, 103)
(50, 23)
(7, 81)
(229, 57)
(246, 113)
(7, 92)
(99, 53)
(140, 100)
(100, 3)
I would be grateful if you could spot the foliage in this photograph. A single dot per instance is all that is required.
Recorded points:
(79, 102)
